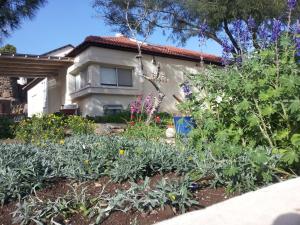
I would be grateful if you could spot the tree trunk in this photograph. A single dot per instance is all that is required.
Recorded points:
(161, 95)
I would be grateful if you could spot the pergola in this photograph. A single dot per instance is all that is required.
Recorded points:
(32, 66)
(29, 66)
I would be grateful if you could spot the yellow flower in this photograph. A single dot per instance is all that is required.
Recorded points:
(86, 162)
(172, 197)
(190, 158)
(121, 151)
(62, 142)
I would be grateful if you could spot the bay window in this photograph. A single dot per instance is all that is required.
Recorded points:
(118, 77)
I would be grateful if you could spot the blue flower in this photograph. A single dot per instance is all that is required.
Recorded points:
(291, 4)
(251, 23)
(276, 30)
(186, 89)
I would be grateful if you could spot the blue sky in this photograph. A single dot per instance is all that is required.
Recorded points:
(62, 22)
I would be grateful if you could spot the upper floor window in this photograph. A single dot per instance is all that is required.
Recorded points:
(118, 77)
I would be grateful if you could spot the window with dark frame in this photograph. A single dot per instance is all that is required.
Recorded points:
(118, 77)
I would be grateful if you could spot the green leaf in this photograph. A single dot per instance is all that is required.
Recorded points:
(290, 157)
(296, 140)
(295, 106)
(253, 120)
(282, 134)
(267, 110)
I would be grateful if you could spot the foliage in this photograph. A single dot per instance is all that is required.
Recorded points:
(13, 11)
(79, 125)
(143, 198)
(24, 167)
(138, 197)
(6, 127)
(207, 19)
(8, 49)
(239, 168)
(39, 129)
(38, 211)
(141, 130)
(254, 104)
(121, 117)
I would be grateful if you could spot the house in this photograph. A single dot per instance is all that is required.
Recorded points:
(100, 75)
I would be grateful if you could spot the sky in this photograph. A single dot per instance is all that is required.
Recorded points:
(62, 22)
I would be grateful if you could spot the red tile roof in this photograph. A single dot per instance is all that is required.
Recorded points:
(126, 44)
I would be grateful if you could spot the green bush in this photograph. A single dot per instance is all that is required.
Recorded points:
(140, 130)
(124, 117)
(6, 127)
(253, 104)
(39, 129)
(79, 125)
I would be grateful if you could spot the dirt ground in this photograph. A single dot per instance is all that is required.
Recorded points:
(205, 196)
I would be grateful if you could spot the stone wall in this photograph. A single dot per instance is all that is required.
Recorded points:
(6, 87)
(11, 90)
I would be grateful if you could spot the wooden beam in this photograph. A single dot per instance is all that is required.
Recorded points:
(36, 57)
(30, 75)
(29, 70)
(26, 66)
(35, 62)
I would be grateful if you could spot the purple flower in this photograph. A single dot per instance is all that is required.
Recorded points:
(148, 104)
(263, 34)
(227, 50)
(186, 89)
(297, 41)
(202, 29)
(241, 33)
(291, 4)
(276, 30)
(251, 23)
(136, 106)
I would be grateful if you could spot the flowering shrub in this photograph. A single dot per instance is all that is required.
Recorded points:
(253, 104)
(140, 108)
(51, 127)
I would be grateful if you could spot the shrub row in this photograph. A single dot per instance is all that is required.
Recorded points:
(39, 129)
(25, 166)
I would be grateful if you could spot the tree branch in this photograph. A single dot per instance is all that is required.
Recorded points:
(233, 41)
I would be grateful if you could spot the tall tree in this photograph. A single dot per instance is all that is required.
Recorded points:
(13, 11)
(138, 18)
(212, 19)
(8, 49)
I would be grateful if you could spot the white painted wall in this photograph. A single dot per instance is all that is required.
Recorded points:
(37, 98)
(48, 95)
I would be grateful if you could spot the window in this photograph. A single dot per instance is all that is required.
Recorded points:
(77, 82)
(116, 77)
(125, 77)
(112, 109)
(108, 76)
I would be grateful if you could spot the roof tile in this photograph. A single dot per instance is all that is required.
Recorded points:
(126, 43)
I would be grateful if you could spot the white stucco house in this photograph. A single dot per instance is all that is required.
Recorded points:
(102, 77)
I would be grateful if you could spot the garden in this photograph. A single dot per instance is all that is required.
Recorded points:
(246, 135)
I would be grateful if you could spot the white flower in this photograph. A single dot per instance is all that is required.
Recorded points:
(219, 99)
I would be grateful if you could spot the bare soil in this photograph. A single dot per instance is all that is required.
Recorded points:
(205, 196)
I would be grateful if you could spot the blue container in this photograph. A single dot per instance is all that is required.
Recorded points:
(184, 125)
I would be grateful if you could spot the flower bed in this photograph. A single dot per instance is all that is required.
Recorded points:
(27, 168)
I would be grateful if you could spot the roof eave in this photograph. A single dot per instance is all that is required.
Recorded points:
(86, 44)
